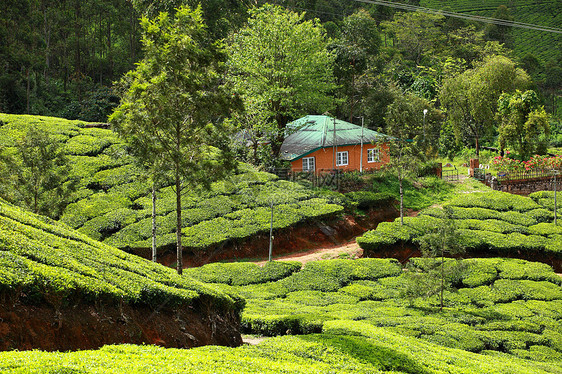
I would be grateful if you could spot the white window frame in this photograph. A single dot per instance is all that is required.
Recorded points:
(373, 155)
(309, 161)
(341, 157)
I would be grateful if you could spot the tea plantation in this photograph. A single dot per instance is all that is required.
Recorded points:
(112, 203)
(359, 316)
(543, 45)
(42, 260)
(490, 222)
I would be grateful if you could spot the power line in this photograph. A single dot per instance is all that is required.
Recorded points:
(496, 21)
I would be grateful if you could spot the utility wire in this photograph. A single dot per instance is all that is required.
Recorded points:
(496, 21)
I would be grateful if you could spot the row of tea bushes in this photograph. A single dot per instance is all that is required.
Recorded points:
(43, 260)
(343, 347)
(113, 202)
(236, 225)
(234, 209)
(496, 222)
(243, 273)
(494, 304)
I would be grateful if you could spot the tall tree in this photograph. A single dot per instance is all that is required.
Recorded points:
(471, 98)
(356, 48)
(280, 62)
(414, 124)
(174, 103)
(417, 35)
(524, 123)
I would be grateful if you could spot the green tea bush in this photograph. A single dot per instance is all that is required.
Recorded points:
(545, 229)
(480, 272)
(484, 297)
(108, 179)
(541, 215)
(495, 200)
(241, 274)
(367, 199)
(86, 145)
(102, 227)
(318, 298)
(483, 222)
(334, 274)
(77, 214)
(47, 261)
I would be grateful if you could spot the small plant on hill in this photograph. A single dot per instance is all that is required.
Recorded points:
(442, 240)
(35, 173)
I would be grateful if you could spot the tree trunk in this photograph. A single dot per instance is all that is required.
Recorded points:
(178, 221)
(401, 200)
(77, 47)
(109, 56)
(154, 254)
(47, 38)
(477, 147)
(28, 92)
(442, 277)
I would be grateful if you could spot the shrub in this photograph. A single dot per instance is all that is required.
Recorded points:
(367, 200)
(240, 274)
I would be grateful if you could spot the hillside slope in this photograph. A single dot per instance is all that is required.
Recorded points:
(112, 203)
(63, 290)
(501, 316)
(486, 223)
(543, 45)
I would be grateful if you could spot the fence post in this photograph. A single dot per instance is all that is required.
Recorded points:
(555, 188)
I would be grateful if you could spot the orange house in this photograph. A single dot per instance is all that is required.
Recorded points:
(325, 143)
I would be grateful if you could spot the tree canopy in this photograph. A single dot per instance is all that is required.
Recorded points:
(174, 102)
(471, 98)
(279, 62)
(524, 123)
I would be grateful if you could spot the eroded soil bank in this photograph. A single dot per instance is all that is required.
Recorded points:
(77, 327)
(403, 253)
(304, 237)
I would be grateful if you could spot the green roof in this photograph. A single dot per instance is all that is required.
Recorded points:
(310, 133)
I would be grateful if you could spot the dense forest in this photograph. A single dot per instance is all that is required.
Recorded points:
(63, 58)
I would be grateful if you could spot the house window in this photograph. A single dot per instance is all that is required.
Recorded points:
(373, 155)
(308, 164)
(341, 158)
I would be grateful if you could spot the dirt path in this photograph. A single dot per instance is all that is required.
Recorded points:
(348, 250)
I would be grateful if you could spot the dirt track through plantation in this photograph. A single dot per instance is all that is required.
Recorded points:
(348, 250)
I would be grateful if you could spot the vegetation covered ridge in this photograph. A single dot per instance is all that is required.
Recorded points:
(369, 315)
(45, 261)
(485, 222)
(496, 305)
(111, 199)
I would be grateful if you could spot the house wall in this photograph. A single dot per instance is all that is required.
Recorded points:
(324, 158)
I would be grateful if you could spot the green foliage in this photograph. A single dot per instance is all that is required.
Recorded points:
(36, 173)
(280, 65)
(241, 274)
(44, 261)
(491, 221)
(492, 304)
(172, 105)
(368, 200)
(508, 320)
(524, 124)
(471, 97)
(113, 204)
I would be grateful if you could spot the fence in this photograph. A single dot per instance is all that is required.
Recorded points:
(506, 177)
(315, 178)
(525, 182)
(450, 174)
